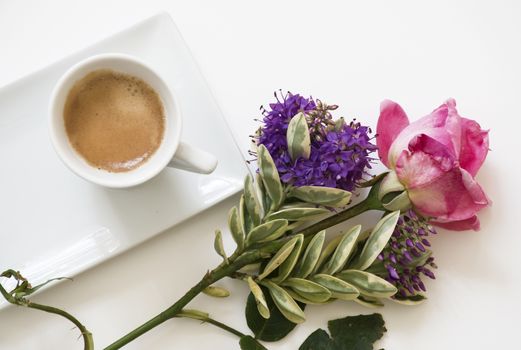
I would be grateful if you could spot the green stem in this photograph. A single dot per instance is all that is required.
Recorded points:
(87, 336)
(210, 278)
(236, 262)
(207, 319)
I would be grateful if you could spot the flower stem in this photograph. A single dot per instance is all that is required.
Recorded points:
(208, 319)
(370, 203)
(211, 277)
(87, 336)
(237, 261)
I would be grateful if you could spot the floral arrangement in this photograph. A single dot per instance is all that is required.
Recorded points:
(309, 164)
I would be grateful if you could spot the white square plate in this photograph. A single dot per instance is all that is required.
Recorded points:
(56, 224)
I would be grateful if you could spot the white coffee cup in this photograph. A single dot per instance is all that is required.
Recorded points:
(172, 152)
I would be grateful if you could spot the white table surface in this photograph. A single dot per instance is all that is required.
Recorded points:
(350, 53)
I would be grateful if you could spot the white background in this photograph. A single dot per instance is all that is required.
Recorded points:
(350, 53)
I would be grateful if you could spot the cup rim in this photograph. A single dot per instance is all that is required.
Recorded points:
(154, 165)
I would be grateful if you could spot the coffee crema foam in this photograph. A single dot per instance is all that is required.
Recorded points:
(115, 121)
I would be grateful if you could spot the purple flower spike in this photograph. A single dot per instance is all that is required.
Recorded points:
(428, 273)
(420, 246)
(405, 257)
(410, 289)
(340, 153)
(393, 273)
(426, 242)
(422, 286)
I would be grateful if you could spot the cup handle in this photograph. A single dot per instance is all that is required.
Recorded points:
(193, 159)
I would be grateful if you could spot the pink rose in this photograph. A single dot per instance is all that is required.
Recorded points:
(436, 159)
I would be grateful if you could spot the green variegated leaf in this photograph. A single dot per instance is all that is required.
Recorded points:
(311, 255)
(288, 265)
(297, 204)
(368, 284)
(218, 245)
(251, 201)
(310, 290)
(302, 299)
(244, 216)
(298, 214)
(270, 177)
(285, 303)
(297, 135)
(267, 232)
(256, 290)
(326, 253)
(376, 241)
(236, 227)
(282, 254)
(369, 301)
(339, 289)
(326, 196)
(216, 291)
(342, 251)
(263, 197)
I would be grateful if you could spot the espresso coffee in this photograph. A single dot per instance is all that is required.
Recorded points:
(115, 121)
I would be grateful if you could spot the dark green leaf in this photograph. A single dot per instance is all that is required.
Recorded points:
(318, 340)
(272, 329)
(349, 333)
(249, 343)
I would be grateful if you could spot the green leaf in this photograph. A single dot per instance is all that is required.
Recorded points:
(273, 329)
(310, 290)
(297, 135)
(267, 232)
(370, 302)
(368, 284)
(326, 196)
(339, 289)
(218, 245)
(376, 241)
(311, 255)
(326, 253)
(342, 251)
(289, 264)
(281, 255)
(249, 343)
(236, 228)
(349, 333)
(285, 303)
(409, 300)
(263, 196)
(318, 340)
(304, 301)
(298, 214)
(260, 299)
(244, 217)
(270, 177)
(251, 201)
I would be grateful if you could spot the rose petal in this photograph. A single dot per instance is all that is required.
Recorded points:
(419, 169)
(391, 122)
(435, 149)
(442, 125)
(449, 197)
(471, 223)
(474, 146)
